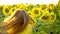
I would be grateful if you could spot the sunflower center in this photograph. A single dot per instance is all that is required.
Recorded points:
(49, 10)
(43, 8)
(13, 10)
(1, 8)
(45, 17)
(53, 16)
(7, 10)
(36, 11)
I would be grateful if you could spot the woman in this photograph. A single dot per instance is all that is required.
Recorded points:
(16, 22)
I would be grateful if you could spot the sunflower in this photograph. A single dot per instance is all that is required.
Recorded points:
(13, 9)
(1, 7)
(42, 7)
(37, 5)
(9, 6)
(30, 6)
(33, 21)
(44, 12)
(51, 6)
(58, 5)
(53, 16)
(26, 9)
(36, 12)
(6, 10)
(49, 9)
(46, 17)
(32, 18)
(21, 6)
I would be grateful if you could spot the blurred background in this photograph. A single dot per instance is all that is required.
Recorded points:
(44, 14)
(11, 2)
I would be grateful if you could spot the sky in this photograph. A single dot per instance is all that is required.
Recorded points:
(11, 2)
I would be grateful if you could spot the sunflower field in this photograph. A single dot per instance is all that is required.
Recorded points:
(45, 18)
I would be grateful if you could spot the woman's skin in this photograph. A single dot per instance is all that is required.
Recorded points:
(16, 22)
